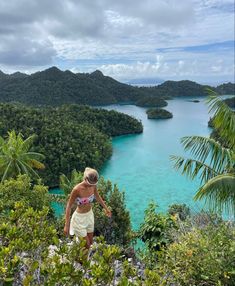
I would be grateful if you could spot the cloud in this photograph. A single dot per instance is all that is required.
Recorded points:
(30, 53)
(28, 28)
(122, 37)
(159, 13)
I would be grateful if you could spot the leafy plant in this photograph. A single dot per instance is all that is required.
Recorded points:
(215, 164)
(181, 210)
(117, 229)
(21, 190)
(153, 231)
(200, 257)
(67, 184)
(17, 158)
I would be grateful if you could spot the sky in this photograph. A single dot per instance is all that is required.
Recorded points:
(145, 40)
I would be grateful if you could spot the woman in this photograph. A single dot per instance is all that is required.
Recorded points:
(82, 221)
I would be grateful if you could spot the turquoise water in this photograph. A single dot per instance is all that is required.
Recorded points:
(58, 207)
(140, 164)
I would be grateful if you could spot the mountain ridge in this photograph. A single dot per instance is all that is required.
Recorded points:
(55, 87)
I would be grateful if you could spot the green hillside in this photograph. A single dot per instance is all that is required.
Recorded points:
(72, 136)
(55, 87)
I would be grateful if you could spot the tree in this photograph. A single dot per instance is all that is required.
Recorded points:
(16, 157)
(214, 163)
(67, 184)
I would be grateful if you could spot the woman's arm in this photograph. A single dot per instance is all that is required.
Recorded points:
(100, 200)
(70, 202)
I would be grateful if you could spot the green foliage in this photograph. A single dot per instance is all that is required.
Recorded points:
(24, 240)
(32, 252)
(178, 88)
(158, 113)
(214, 163)
(117, 229)
(20, 190)
(17, 158)
(201, 257)
(226, 88)
(71, 137)
(223, 119)
(67, 184)
(55, 87)
(181, 210)
(230, 101)
(154, 231)
(151, 101)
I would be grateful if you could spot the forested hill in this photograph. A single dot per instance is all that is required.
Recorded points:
(70, 136)
(56, 87)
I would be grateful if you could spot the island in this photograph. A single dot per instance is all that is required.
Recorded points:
(54, 87)
(194, 100)
(151, 101)
(158, 113)
(230, 102)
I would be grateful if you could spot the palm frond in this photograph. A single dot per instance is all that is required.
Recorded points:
(208, 150)
(36, 164)
(219, 193)
(28, 169)
(224, 118)
(33, 155)
(64, 181)
(28, 142)
(2, 141)
(5, 174)
(193, 168)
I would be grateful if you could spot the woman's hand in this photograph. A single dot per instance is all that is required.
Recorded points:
(66, 230)
(108, 212)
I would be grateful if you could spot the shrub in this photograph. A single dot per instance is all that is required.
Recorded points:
(154, 230)
(181, 210)
(201, 257)
(117, 229)
(21, 190)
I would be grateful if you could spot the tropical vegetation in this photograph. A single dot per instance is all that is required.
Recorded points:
(55, 87)
(214, 163)
(198, 250)
(151, 101)
(230, 102)
(181, 247)
(71, 136)
(17, 158)
(158, 113)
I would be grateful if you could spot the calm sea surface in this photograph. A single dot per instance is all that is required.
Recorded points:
(140, 164)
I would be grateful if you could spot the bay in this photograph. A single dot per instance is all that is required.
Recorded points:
(141, 166)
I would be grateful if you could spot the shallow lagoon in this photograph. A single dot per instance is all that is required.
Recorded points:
(140, 164)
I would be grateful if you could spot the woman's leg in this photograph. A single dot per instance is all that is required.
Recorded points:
(90, 237)
(88, 243)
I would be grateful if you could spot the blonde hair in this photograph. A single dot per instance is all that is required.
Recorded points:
(91, 176)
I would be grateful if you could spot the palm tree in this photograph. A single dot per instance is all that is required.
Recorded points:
(16, 157)
(215, 160)
(67, 184)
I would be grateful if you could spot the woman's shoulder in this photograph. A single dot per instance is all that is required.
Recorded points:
(78, 187)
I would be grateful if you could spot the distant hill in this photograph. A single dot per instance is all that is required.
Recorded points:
(55, 87)
(226, 88)
(230, 102)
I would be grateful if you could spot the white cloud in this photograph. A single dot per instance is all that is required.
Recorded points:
(121, 37)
